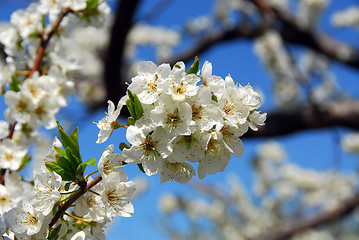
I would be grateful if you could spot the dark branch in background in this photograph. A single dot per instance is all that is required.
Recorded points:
(3, 55)
(114, 62)
(291, 32)
(213, 39)
(156, 10)
(345, 208)
(344, 113)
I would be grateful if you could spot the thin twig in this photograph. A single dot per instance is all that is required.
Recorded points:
(45, 40)
(73, 199)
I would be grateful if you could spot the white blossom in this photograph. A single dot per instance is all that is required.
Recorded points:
(116, 194)
(24, 219)
(11, 154)
(109, 122)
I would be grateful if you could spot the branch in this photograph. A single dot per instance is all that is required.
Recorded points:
(211, 39)
(114, 61)
(290, 30)
(344, 113)
(342, 211)
(293, 32)
(45, 40)
(73, 199)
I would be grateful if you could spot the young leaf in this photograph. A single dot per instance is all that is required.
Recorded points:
(75, 160)
(67, 165)
(75, 135)
(141, 167)
(91, 4)
(14, 85)
(67, 186)
(123, 146)
(134, 105)
(130, 107)
(138, 108)
(130, 95)
(53, 166)
(60, 151)
(81, 168)
(68, 142)
(195, 66)
(54, 233)
(25, 160)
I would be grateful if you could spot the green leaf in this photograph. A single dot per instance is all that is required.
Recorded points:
(91, 4)
(14, 85)
(54, 209)
(138, 108)
(43, 21)
(134, 105)
(123, 146)
(25, 160)
(195, 66)
(131, 108)
(130, 95)
(67, 186)
(141, 167)
(60, 151)
(75, 160)
(68, 142)
(75, 135)
(67, 165)
(81, 168)
(53, 166)
(214, 98)
(54, 233)
(177, 66)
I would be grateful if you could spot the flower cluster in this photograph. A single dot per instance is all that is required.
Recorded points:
(35, 79)
(30, 214)
(180, 121)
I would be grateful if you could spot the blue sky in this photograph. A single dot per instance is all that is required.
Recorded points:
(314, 149)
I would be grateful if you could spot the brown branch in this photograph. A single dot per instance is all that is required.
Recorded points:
(342, 211)
(40, 53)
(341, 113)
(73, 199)
(45, 40)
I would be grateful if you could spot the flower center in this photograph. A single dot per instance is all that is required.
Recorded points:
(196, 112)
(228, 108)
(33, 219)
(152, 86)
(3, 200)
(173, 119)
(149, 146)
(21, 106)
(179, 90)
(8, 157)
(40, 110)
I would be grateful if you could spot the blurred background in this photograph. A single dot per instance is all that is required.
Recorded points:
(298, 178)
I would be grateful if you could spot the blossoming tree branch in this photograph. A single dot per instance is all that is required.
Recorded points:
(179, 117)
